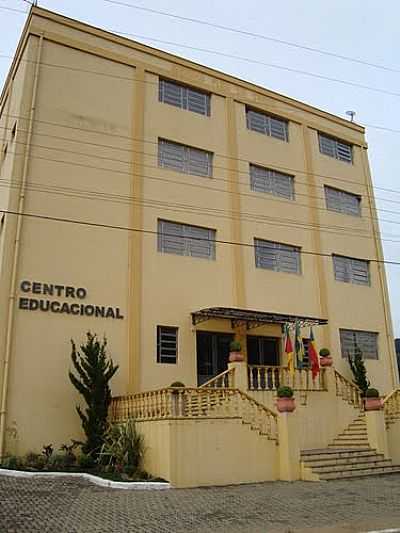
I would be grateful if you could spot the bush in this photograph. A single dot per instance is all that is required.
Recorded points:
(177, 384)
(324, 352)
(58, 461)
(372, 393)
(85, 461)
(123, 447)
(285, 392)
(11, 462)
(235, 346)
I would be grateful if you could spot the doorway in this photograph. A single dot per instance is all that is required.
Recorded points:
(212, 354)
(263, 351)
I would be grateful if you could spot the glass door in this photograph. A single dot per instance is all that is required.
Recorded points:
(212, 354)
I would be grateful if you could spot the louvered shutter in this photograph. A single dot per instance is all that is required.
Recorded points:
(367, 342)
(198, 162)
(278, 128)
(335, 148)
(171, 93)
(342, 201)
(351, 270)
(327, 146)
(184, 97)
(342, 269)
(200, 242)
(171, 238)
(344, 152)
(276, 256)
(256, 122)
(266, 124)
(360, 272)
(167, 344)
(171, 155)
(198, 102)
(272, 182)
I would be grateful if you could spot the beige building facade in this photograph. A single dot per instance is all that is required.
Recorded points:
(139, 189)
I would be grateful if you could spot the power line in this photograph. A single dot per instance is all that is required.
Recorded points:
(153, 232)
(253, 61)
(274, 167)
(216, 178)
(13, 9)
(257, 35)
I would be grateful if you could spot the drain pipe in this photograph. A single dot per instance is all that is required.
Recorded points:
(11, 301)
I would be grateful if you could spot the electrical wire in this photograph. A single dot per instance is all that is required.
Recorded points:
(256, 35)
(153, 232)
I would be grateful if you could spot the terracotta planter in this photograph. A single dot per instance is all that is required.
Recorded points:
(373, 404)
(286, 405)
(235, 357)
(326, 361)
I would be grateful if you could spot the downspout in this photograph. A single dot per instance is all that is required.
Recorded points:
(10, 319)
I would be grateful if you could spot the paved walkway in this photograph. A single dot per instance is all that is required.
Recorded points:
(68, 505)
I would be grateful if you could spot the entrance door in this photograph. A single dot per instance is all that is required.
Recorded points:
(212, 354)
(263, 351)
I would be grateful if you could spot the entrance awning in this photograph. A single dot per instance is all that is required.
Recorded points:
(253, 319)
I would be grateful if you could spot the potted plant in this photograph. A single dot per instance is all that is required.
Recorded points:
(325, 357)
(285, 402)
(372, 400)
(235, 352)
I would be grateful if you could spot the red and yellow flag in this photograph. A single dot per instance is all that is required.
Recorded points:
(289, 351)
(313, 356)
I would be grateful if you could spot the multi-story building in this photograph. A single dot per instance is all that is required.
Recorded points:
(170, 206)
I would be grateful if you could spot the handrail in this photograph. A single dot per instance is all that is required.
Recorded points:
(261, 377)
(348, 390)
(223, 380)
(391, 406)
(195, 403)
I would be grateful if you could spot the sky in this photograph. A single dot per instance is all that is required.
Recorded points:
(361, 29)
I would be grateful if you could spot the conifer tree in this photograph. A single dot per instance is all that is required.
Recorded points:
(94, 371)
(357, 366)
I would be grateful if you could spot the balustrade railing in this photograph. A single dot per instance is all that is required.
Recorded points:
(224, 380)
(272, 377)
(348, 391)
(195, 403)
(391, 406)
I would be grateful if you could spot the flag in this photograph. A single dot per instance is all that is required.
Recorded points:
(313, 356)
(289, 350)
(298, 346)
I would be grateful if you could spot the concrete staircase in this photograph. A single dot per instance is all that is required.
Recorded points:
(348, 456)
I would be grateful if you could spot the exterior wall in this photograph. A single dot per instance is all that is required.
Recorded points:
(93, 159)
(193, 453)
(393, 440)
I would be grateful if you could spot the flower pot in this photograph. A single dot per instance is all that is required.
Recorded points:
(326, 361)
(285, 405)
(373, 404)
(235, 357)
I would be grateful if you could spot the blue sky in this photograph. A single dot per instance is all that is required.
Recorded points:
(363, 29)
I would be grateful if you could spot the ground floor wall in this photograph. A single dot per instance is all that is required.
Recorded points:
(191, 453)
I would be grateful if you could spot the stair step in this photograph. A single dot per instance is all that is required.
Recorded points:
(355, 459)
(361, 472)
(330, 452)
(354, 443)
(382, 463)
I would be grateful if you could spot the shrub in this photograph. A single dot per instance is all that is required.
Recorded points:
(94, 371)
(324, 352)
(58, 461)
(235, 346)
(285, 392)
(31, 459)
(372, 393)
(357, 366)
(85, 461)
(47, 450)
(177, 384)
(123, 447)
(11, 462)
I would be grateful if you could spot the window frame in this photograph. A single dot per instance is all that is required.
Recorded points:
(342, 207)
(356, 341)
(186, 161)
(187, 246)
(336, 147)
(269, 124)
(350, 270)
(160, 355)
(273, 176)
(281, 247)
(185, 97)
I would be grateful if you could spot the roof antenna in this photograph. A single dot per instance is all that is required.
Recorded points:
(351, 114)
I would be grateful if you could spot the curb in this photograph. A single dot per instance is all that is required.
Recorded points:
(127, 485)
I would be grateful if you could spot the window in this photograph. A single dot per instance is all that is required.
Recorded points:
(277, 256)
(184, 97)
(184, 158)
(167, 344)
(335, 148)
(267, 124)
(182, 239)
(342, 202)
(367, 341)
(272, 182)
(351, 270)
